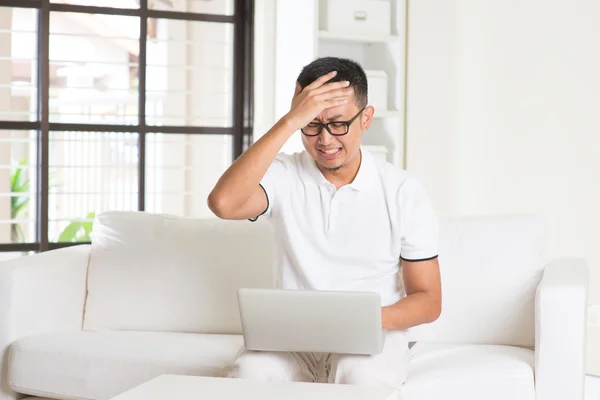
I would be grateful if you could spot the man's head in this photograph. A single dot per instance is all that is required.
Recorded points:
(330, 151)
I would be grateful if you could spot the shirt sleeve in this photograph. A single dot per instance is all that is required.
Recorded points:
(274, 183)
(419, 223)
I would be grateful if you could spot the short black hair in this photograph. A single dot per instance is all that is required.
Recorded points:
(347, 70)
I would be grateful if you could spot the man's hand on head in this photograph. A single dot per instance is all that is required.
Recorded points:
(309, 102)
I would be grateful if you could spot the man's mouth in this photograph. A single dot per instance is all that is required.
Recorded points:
(330, 153)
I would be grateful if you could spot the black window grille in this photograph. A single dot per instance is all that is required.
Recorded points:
(117, 105)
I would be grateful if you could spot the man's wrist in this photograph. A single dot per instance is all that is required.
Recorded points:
(385, 318)
(288, 123)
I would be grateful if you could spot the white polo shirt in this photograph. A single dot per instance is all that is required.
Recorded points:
(352, 238)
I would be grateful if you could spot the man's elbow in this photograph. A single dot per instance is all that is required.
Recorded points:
(435, 310)
(218, 205)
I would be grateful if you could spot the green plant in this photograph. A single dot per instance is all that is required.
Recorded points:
(20, 185)
(78, 231)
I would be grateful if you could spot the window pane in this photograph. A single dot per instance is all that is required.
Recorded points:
(90, 172)
(102, 3)
(221, 7)
(18, 186)
(18, 64)
(181, 170)
(190, 74)
(94, 68)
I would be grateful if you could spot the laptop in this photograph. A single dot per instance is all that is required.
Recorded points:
(311, 321)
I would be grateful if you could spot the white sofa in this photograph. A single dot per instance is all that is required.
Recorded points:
(157, 294)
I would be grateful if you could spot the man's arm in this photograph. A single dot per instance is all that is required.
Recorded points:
(423, 303)
(237, 194)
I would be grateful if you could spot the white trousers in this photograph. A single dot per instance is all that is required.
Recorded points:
(389, 368)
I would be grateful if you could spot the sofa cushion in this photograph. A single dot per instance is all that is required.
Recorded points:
(94, 365)
(150, 272)
(100, 365)
(490, 268)
(470, 372)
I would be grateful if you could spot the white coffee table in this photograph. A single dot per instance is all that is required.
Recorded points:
(177, 387)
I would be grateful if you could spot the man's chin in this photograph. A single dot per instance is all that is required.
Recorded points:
(331, 166)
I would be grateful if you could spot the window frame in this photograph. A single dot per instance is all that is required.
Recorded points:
(242, 86)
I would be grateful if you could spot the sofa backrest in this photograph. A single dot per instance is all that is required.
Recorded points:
(163, 273)
(490, 268)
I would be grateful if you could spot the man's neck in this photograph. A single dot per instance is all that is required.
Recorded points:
(345, 174)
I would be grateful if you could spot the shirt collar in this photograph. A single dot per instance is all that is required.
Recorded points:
(366, 177)
(363, 182)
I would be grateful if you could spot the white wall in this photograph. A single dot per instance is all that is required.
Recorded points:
(5, 105)
(592, 388)
(284, 41)
(264, 66)
(295, 28)
(503, 105)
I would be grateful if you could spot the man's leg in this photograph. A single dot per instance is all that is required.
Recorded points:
(269, 366)
(389, 368)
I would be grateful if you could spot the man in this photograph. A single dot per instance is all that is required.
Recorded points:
(343, 220)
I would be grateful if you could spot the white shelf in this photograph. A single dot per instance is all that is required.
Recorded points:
(377, 150)
(359, 37)
(375, 52)
(387, 114)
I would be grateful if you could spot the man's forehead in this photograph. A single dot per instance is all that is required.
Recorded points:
(343, 112)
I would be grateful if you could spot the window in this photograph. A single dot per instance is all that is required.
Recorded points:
(116, 105)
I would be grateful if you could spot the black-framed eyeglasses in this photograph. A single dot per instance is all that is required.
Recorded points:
(335, 128)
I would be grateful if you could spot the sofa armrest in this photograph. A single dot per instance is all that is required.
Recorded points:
(40, 293)
(561, 305)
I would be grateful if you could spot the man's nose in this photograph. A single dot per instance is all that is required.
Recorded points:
(325, 138)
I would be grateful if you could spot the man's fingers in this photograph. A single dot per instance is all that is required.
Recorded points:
(336, 102)
(338, 93)
(332, 86)
(321, 80)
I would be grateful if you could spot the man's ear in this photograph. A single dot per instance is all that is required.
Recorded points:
(367, 117)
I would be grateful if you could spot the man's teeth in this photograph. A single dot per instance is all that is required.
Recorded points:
(332, 151)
